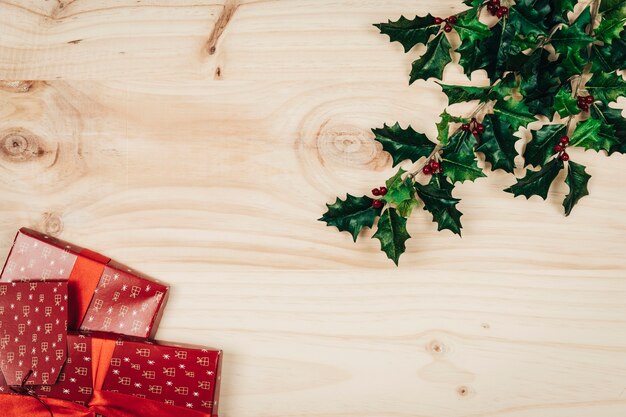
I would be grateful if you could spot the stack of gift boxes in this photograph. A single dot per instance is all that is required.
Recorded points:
(78, 327)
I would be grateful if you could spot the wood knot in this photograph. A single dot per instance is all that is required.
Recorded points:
(340, 144)
(17, 86)
(52, 224)
(464, 391)
(436, 348)
(20, 145)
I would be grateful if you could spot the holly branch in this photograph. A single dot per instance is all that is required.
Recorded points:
(540, 62)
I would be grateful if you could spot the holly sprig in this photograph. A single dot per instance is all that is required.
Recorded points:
(540, 62)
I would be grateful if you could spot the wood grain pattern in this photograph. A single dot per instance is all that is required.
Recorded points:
(198, 142)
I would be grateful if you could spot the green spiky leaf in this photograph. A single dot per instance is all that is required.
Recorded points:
(432, 63)
(573, 36)
(606, 87)
(410, 32)
(469, 28)
(612, 127)
(498, 143)
(537, 182)
(588, 135)
(392, 234)
(403, 144)
(514, 112)
(438, 200)
(565, 104)
(576, 180)
(461, 93)
(609, 29)
(459, 160)
(351, 215)
(540, 149)
(399, 189)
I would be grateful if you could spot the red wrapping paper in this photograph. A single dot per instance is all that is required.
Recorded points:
(113, 360)
(33, 329)
(104, 295)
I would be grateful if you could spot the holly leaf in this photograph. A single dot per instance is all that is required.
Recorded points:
(528, 20)
(573, 63)
(406, 207)
(606, 86)
(540, 148)
(537, 182)
(558, 10)
(443, 127)
(469, 28)
(432, 63)
(459, 160)
(576, 180)
(571, 37)
(438, 200)
(540, 81)
(514, 112)
(587, 135)
(461, 93)
(613, 126)
(398, 188)
(609, 29)
(498, 143)
(403, 144)
(613, 8)
(351, 214)
(392, 234)
(471, 57)
(497, 49)
(565, 104)
(410, 32)
(609, 58)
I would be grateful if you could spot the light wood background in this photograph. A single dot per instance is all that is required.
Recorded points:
(199, 141)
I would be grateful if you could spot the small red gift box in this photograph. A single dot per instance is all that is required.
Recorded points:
(103, 295)
(33, 331)
(128, 377)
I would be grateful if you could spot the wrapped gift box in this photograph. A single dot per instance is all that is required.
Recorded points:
(104, 295)
(132, 376)
(33, 331)
(176, 375)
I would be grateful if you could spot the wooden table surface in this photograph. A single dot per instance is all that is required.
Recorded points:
(198, 142)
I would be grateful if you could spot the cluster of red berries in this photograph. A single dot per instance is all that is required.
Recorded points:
(433, 167)
(474, 126)
(449, 21)
(496, 10)
(381, 191)
(584, 102)
(560, 148)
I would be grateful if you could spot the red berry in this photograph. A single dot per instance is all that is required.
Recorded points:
(493, 9)
(438, 20)
(465, 126)
(447, 28)
(427, 170)
(496, 2)
(589, 99)
(377, 204)
(558, 148)
(480, 127)
(564, 157)
(475, 132)
(376, 191)
(452, 19)
(584, 107)
(564, 140)
(502, 11)
(383, 190)
(434, 165)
